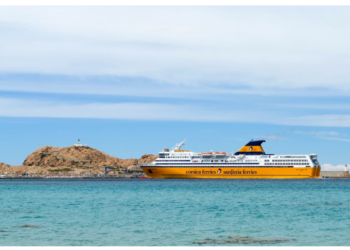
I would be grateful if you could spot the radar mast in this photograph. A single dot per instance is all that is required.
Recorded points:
(178, 146)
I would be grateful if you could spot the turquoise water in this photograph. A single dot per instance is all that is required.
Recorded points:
(174, 212)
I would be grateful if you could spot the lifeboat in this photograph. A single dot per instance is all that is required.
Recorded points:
(209, 153)
(220, 153)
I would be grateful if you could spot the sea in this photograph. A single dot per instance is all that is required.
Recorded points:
(179, 212)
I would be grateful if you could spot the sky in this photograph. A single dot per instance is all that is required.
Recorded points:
(131, 80)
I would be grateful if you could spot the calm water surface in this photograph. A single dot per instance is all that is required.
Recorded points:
(174, 212)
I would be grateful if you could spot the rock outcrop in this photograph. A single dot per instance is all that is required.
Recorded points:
(72, 160)
(3, 165)
(148, 158)
(4, 168)
(74, 157)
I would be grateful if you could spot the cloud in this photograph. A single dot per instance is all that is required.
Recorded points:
(324, 120)
(316, 133)
(335, 139)
(113, 85)
(146, 87)
(330, 167)
(271, 137)
(326, 135)
(176, 111)
(317, 106)
(269, 50)
(11, 107)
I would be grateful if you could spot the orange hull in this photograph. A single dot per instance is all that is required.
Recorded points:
(232, 172)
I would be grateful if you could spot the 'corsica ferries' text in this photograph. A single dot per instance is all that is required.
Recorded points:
(231, 172)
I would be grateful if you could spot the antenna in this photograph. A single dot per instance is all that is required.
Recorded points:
(178, 146)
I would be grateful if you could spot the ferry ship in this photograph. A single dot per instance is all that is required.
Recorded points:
(250, 162)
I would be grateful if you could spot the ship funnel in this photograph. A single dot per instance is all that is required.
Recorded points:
(252, 148)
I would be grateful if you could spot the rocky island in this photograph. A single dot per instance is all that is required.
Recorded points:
(74, 161)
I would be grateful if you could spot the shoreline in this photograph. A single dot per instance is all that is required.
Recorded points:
(135, 178)
(68, 178)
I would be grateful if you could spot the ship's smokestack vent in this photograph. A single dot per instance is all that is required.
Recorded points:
(252, 148)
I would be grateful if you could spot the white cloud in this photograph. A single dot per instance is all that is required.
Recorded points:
(326, 135)
(271, 49)
(317, 106)
(316, 133)
(146, 88)
(270, 137)
(326, 120)
(12, 107)
(335, 138)
(330, 167)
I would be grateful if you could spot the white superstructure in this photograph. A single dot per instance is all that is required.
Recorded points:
(185, 158)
